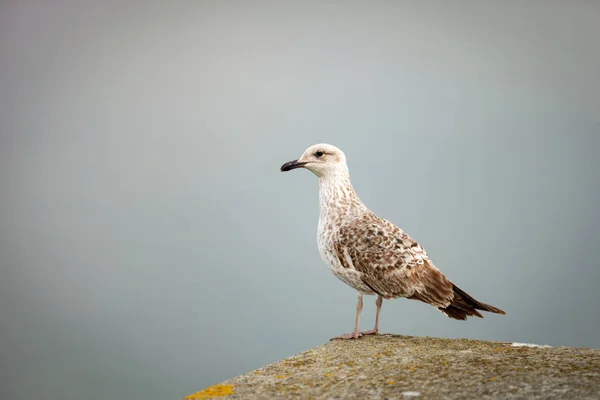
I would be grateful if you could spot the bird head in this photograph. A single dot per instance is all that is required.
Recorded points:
(323, 160)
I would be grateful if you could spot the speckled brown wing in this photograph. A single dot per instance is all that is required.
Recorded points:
(392, 264)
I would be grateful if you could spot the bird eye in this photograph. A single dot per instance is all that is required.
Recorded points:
(319, 153)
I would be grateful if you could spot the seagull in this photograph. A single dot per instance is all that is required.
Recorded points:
(371, 254)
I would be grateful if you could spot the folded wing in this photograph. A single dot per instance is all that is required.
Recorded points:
(392, 264)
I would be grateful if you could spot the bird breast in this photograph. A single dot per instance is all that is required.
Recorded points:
(326, 235)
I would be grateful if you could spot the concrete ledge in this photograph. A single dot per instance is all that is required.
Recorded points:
(400, 367)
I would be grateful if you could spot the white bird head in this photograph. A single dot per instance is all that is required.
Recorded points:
(323, 160)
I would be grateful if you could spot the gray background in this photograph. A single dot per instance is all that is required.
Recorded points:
(150, 246)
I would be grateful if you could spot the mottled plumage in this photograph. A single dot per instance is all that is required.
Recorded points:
(371, 254)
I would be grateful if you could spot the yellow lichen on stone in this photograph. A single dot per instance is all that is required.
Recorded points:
(210, 392)
(280, 376)
(391, 382)
(328, 375)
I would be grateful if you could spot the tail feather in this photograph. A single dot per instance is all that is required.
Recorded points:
(463, 306)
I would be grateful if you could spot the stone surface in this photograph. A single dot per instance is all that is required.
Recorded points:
(404, 367)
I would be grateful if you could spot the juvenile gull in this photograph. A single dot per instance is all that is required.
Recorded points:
(371, 254)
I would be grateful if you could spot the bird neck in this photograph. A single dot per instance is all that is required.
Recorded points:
(337, 198)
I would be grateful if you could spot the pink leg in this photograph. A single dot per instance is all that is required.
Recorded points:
(375, 331)
(356, 334)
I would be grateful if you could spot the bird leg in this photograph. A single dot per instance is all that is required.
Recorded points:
(356, 334)
(375, 331)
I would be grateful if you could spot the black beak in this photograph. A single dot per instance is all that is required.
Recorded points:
(288, 166)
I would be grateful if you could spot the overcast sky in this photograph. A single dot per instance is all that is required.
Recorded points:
(149, 245)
